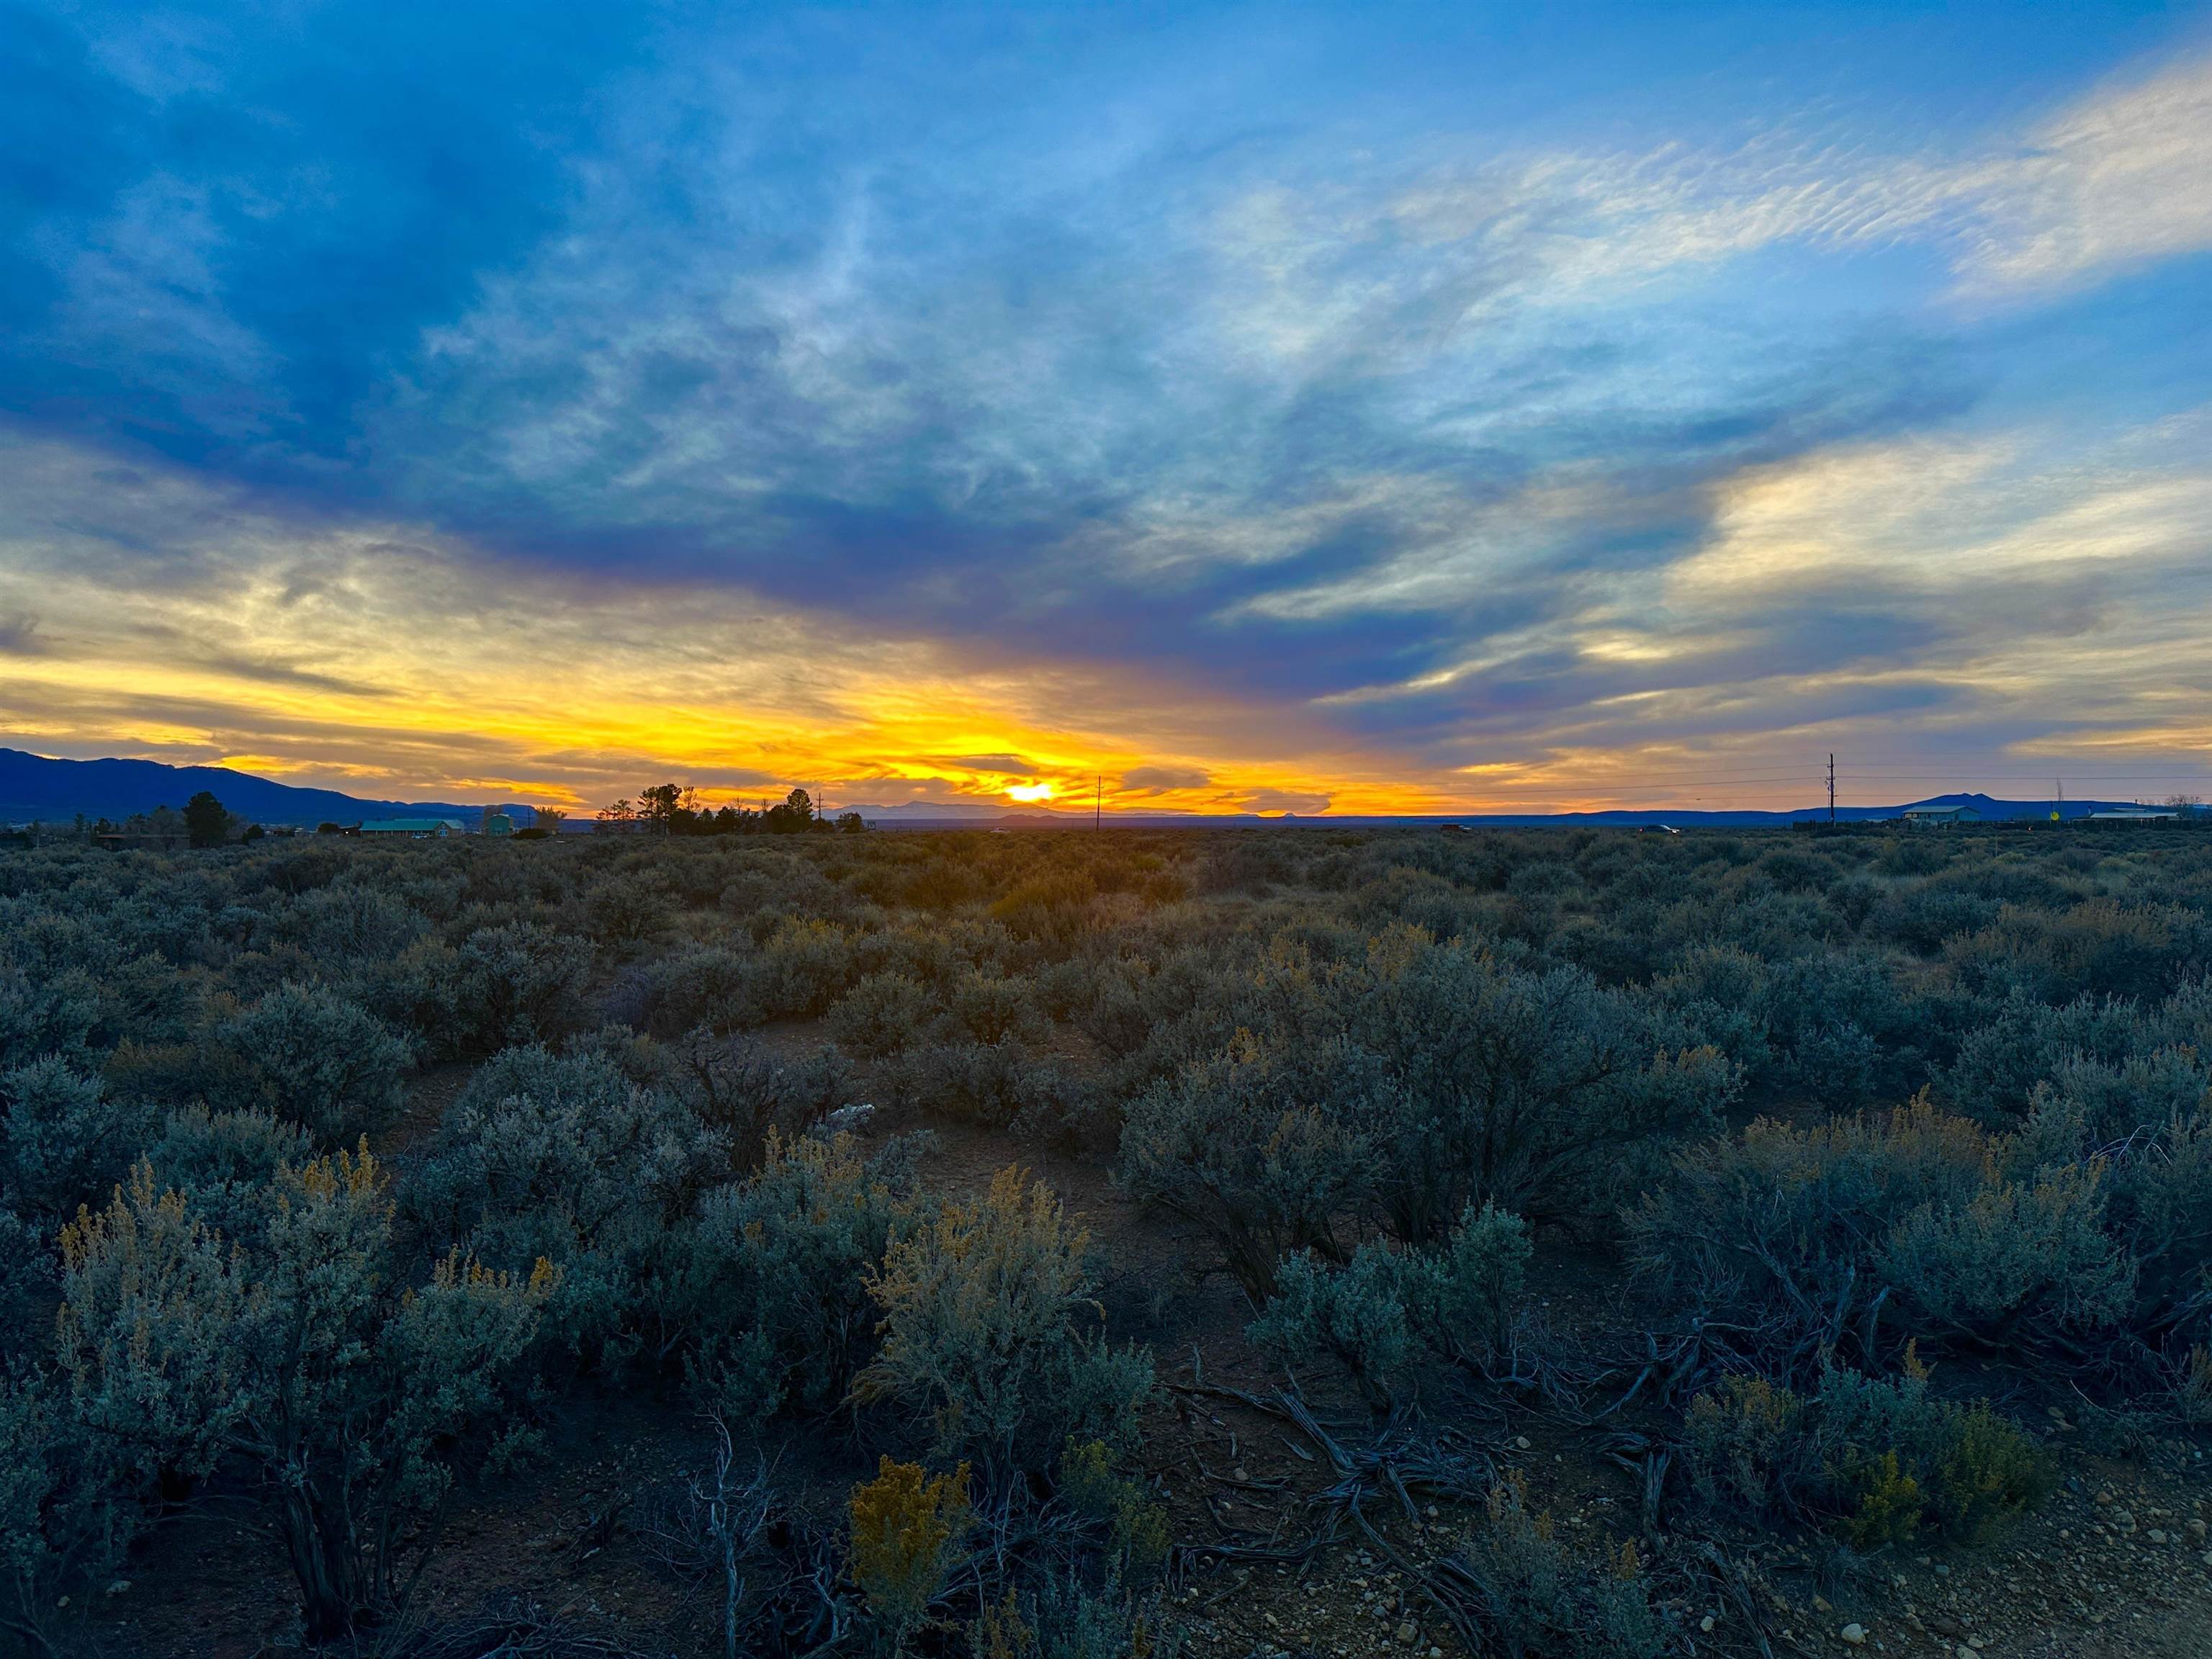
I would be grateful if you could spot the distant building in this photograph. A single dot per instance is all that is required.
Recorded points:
(1936, 817)
(2137, 815)
(498, 823)
(413, 828)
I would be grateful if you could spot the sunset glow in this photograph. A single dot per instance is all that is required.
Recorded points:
(783, 399)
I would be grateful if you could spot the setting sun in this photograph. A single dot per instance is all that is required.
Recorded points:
(1031, 792)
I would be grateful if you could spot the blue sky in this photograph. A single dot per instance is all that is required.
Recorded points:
(1260, 407)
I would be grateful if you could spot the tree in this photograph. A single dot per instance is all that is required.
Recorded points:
(550, 818)
(205, 820)
(794, 812)
(303, 1365)
(660, 805)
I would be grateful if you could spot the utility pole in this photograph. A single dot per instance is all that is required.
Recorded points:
(1831, 788)
(1098, 801)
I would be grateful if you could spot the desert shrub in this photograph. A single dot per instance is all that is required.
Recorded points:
(28, 1264)
(803, 967)
(350, 922)
(1879, 1463)
(1377, 1314)
(2154, 1160)
(883, 1013)
(2032, 1254)
(503, 986)
(2100, 947)
(994, 1008)
(63, 1141)
(1840, 1030)
(47, 1013)
(1226, 1146)
(628, 911)
(768, 1288)
(1781, 1231)
(1136, 1528)
(1541, 1093)
(562, 1157)
(1925, 918)
(906, 1528)
(321, 1060)
(1538, 1597)
(1052, 905)
(2012, 1044)
(707, 986)
(995, 1084)
(59, 1531)
(989, 1326)
(336, 1390)
(225, 1164)
(1354, 1314)
(743, 1092)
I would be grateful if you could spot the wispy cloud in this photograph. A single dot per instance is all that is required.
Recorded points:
(811, 397)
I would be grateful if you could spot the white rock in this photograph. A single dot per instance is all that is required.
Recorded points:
(1854, 1634)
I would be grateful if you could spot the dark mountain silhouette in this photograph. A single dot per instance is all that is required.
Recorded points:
(32, 786)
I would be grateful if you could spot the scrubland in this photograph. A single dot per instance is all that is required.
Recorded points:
(1555, 1243)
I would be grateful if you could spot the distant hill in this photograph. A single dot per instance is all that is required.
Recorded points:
(32, 786)
(930, 815)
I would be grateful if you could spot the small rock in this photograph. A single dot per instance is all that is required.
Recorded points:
(2124, 1520)
(1705, 1624)
(2156, 1534)
(116, 1586)
(1978, 1642)
(1409, 1633)
(1855, 1634)
(2196, 1531)
(1520, 1441)
(1432, 1511)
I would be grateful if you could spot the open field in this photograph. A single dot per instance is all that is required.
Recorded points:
(1292, 1241)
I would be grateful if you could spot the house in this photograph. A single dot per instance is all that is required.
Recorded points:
(413, 828)
(1938, 816)
(498, 823)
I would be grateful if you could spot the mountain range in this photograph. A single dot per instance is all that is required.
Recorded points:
(33, 787)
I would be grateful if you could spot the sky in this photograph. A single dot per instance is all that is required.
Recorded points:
(1308, 408)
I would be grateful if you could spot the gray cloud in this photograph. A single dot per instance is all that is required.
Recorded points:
(1156, 780)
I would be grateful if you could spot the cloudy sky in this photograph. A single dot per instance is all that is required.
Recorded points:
(1397, 407)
